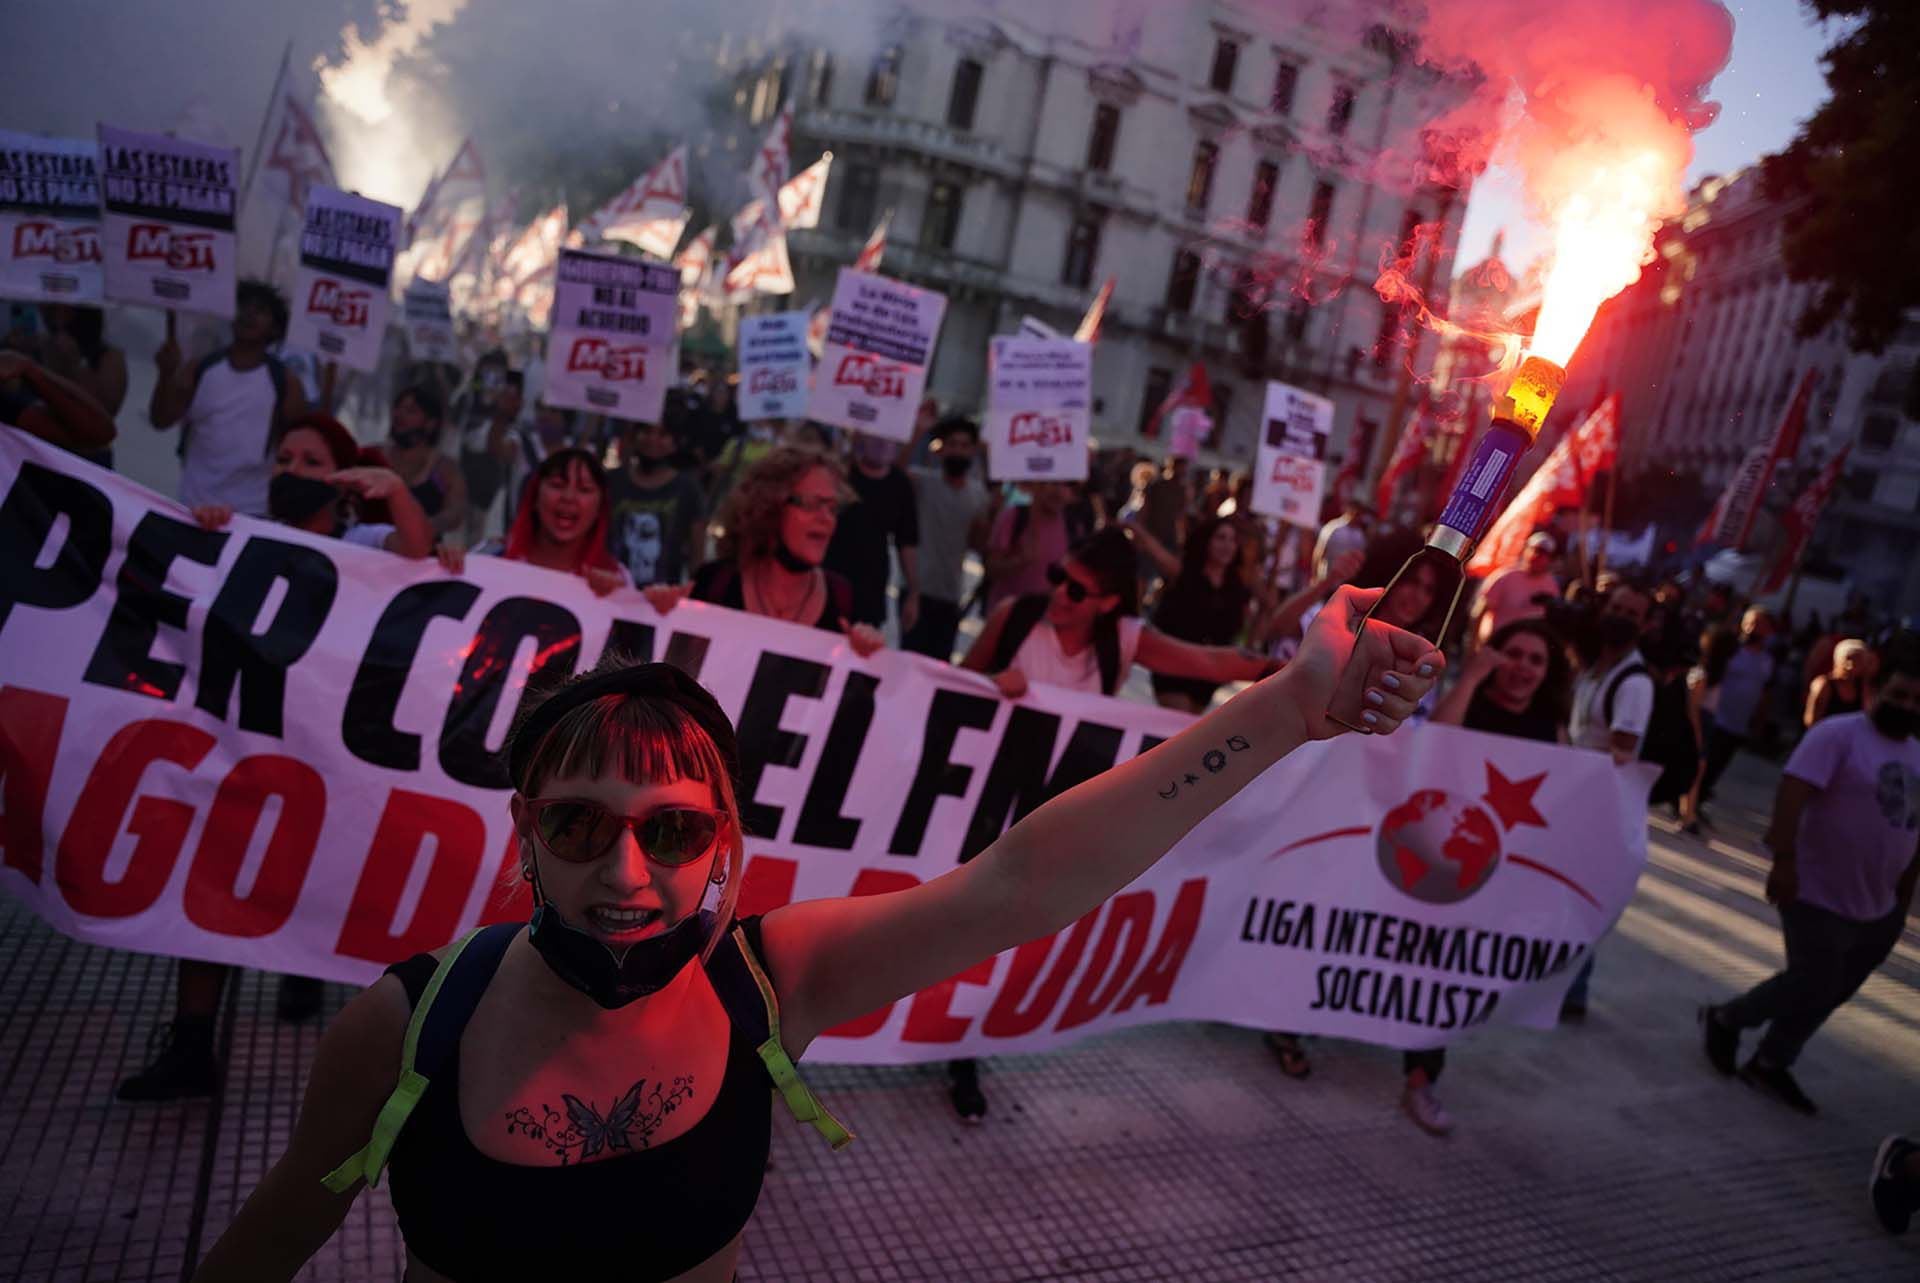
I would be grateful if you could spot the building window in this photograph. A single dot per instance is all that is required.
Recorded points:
(943, 217)
(1184, 281)
(966, 94)
(1200, 181)
(1340, 111)
(1297, 315)
(1106, 133)
(1083, 247)
(883, 79)
(1286, 79)
(1221, 407)
(859, 194)
(1319, 214)
(822, 78)
(1159, 383)
(1266, 177)
(1385, 339)
(1226, 59)
(1248, 312)
(1877, 431)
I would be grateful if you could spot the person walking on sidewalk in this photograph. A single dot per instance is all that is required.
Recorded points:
(1846, 851)
(1743, 697)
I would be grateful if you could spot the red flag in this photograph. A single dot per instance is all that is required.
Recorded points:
(1731, 521)
(1800, 520)
(876, 247)
(770, 167)
(1406, 453)
(1089, 331)
(1192, 389)
(1561, 482)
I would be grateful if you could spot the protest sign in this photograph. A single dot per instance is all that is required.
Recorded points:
(1039, 398)
(428, 308)
(879, 344)
(774, 363)
(1290, 473)
(49, 219)
(340, 296)
(270, 748)
(613, 349)
(167, 232)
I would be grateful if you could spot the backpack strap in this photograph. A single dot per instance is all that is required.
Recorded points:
(1613, 688)
(277, 424)
(433, 1039)
(1025, 614)
(751, 1005)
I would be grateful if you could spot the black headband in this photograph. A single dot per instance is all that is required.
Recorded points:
(641, 681)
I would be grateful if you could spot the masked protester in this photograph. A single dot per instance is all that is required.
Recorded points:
(413, 448)
(884, 512)
(635, 1018)
(315, 482)
(1846, 818)
(658, 523)
(952, 507)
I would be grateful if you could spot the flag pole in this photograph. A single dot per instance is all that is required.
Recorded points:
(1606, 520)
(260, 142)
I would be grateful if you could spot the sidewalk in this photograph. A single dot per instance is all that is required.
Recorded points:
(1608, 1151)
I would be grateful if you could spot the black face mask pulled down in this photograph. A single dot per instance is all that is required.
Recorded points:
(956, 467)
(1895, 722)
(785, 556)
(294, 499)
(591, 967)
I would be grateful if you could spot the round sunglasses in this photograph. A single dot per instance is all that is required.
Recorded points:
(581, 832)
(1077, 592)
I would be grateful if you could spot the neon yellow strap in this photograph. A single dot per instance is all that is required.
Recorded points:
(801, 1102)
(370, 1159)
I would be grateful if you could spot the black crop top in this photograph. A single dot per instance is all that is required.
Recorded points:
(644, 1216)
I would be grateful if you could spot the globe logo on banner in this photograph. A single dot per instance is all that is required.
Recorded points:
(1440, 848)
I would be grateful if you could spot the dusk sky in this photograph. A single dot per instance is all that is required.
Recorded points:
(1772, 82)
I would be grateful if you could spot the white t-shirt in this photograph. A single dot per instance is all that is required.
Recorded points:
(227, 424)
(1632, 706)
(1040, 658)
(368, 534)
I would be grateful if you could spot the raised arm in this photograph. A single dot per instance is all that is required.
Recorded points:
(1452, 709)
(291, 1215)
(1817, 696)
(1157, 552)
(1171, 657)
(837, 959)
(172, 386)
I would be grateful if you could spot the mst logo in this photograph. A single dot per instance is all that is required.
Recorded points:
(596, 356)
(177, 251)
(766, 382)
(39, 239)
(871, 375)
(343, 307)
(1030, 427)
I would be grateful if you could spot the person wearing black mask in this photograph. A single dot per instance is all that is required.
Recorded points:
(1845, 822)
(318, 475)
(952, 506)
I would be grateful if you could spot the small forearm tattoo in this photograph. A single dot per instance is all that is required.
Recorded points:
(1213, 761)
(581, 1132)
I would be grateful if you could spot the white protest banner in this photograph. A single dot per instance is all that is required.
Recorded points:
(613, 349)
(340, 296)
(874, 366)
(1290, 470)
(274, 749)
(49, 219)
(167, 232)
(428, 306)
(1039, 409)
(1191, 425)
(774, 363)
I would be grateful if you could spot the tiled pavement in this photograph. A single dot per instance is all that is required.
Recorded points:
(1179, 1152)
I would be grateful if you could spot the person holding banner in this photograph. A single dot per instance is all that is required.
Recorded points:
(559, 524)
(36, 400)
(231, 407)
(635, 998)
(73, 346)
(318, 470)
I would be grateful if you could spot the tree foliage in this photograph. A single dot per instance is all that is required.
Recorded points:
(1851, 172)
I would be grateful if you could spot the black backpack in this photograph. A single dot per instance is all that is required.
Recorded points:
(1668, 741)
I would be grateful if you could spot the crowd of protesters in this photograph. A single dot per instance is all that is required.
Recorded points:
(1149, 564)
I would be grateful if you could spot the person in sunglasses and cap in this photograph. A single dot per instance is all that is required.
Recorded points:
(589, 1095)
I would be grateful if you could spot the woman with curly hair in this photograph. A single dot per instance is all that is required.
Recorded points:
(776, 526)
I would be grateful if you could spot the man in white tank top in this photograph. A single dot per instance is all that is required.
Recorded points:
(229, 407)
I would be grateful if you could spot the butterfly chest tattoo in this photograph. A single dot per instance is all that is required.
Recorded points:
(582, 1130)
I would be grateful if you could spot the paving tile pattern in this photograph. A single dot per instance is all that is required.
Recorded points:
(1177, 1152)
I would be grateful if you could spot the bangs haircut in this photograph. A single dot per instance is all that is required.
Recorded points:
(643, 741)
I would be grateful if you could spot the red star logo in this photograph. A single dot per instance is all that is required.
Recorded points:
(1512, 800)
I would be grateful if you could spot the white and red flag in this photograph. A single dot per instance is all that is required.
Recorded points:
(650, 214)
(526, 270)
(1731, 521)
(695, 261)
(767, 173)
(1800, 520)
(292, 160)
(451, 213)
(758, 262)
(1193, 389)
(802, 197)
(868, 259)
(1562, 482)
(1089, 331)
